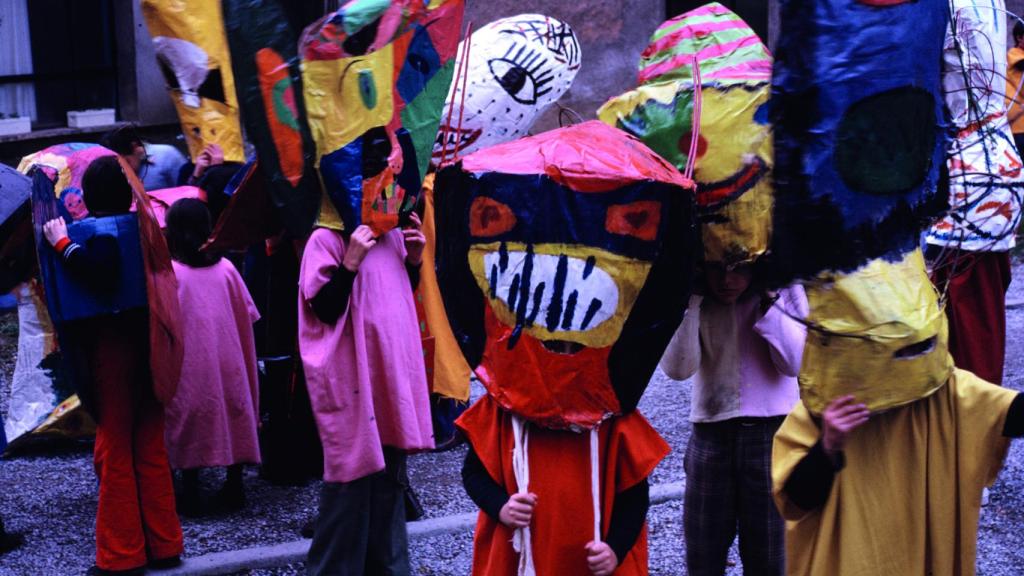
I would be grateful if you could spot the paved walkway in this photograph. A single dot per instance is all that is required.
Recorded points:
(293, 552)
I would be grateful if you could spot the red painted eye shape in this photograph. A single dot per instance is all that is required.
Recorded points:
(638, 219)
(488, 217)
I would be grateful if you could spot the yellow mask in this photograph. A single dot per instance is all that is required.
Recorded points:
(188, 36)
(877, 333)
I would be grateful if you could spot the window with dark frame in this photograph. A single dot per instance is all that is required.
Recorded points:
(74, 59)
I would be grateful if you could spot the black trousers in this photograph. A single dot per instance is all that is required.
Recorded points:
(361, 527)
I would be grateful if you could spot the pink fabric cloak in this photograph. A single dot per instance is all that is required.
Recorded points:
(212, 419)
(365, 373)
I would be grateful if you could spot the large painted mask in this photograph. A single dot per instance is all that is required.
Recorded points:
(188, 36)
(565, 260)
(518, 67)
(65, 164)
(859, 149)
(858, 119)
(268, 74)
(375, 76)
(877, 333)
(733, 161)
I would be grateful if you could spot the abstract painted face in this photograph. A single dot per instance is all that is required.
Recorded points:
(859, 140)
(188, 36)
(518, 66)
(565, 260)
(733, 161)
(374, 79)
(71, 198)
(877, 333)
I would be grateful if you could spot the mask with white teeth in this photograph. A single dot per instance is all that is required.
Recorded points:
(565, 260)
(518, 67)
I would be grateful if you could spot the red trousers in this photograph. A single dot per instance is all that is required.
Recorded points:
(136, 520)
(976, 308)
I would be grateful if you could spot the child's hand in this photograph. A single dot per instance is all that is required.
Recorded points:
(359, 244)
(601, 558)
(518, 511)
(55, 230)
(216, 154)
(840, 418)
(415, 241)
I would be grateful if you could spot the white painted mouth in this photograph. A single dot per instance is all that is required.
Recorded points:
(562, 293)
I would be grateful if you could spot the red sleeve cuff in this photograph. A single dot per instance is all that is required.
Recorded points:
(62, 244)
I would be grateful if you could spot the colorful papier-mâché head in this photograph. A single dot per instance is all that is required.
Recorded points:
(375, 75)
(188, 36)
(518, 67)
(860, 133)
(565, 260)
(65, 164)
(877, 333)
(734, 149)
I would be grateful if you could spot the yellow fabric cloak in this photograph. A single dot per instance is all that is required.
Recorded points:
(907, 502)
(451, 372)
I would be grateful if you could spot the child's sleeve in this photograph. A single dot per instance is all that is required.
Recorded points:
(781, 329)
(481, 488)
(629, 513)
(325, 285)
(682, 356)
(97, 263)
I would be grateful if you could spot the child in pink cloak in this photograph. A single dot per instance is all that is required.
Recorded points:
(213, 418)
(360, 345)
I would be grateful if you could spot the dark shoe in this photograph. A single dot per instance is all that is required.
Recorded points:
(308, 528)
(452, 443)
(10, 541)
(413, 508)
(230, 498)
(164, 563)
(97, 571)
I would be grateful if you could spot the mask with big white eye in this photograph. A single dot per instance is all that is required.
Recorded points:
(518, 67)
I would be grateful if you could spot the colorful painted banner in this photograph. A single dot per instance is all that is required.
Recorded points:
(268, 75)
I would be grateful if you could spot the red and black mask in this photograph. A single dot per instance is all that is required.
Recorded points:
(565, 261)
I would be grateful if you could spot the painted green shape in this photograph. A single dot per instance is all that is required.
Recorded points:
(282, 110)
(367, 89)
(422, 116)
(660, 126)
(360, 13)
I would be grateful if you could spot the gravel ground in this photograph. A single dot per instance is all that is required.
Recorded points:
(51, 498)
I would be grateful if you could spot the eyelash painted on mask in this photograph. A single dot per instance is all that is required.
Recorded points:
(526, 57)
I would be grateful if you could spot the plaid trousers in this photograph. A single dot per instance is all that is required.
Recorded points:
(729, 487)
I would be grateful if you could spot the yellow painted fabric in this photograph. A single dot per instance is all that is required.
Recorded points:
(1014, 107)
(201, 23)
(859, 322)
(451, 372)
(907, 501)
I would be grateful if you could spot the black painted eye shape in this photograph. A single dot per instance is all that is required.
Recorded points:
(914, 350)
(419, 64)
(515, 79)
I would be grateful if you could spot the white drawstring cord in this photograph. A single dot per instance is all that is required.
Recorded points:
(595, 482)
(521, 468)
